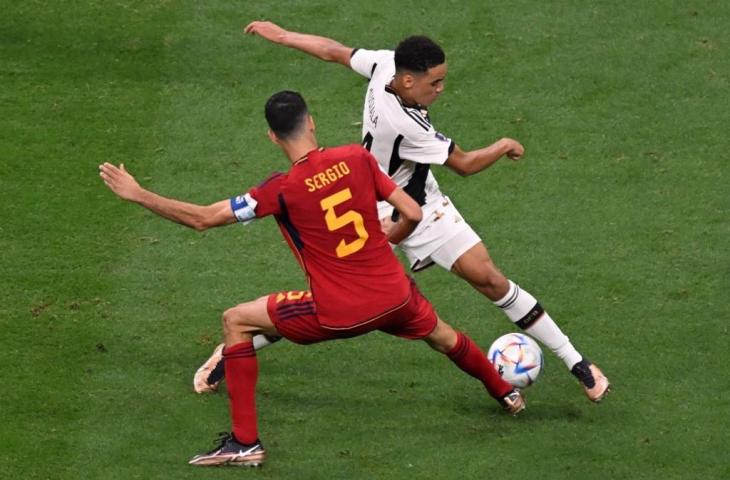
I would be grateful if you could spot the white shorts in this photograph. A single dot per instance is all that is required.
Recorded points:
(441, 238)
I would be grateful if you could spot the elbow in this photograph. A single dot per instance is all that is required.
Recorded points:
(330, 55)
(208, 217)
(200, 224)
(466, 169)
(336, 54)
(327, 56)
(462, 168)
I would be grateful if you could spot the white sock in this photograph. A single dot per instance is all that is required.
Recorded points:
(524, 311)
(261, 341)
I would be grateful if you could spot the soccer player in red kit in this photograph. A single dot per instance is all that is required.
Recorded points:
(325, 206)
(398, 131)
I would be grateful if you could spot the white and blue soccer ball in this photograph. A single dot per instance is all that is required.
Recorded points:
(517, 358)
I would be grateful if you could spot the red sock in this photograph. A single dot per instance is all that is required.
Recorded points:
(242, 371)
(468, 357)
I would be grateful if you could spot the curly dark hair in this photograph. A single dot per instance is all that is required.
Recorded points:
(418, 54)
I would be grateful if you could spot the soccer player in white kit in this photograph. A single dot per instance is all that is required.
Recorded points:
(398, 132)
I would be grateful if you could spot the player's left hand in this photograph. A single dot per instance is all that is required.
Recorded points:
(119, 181)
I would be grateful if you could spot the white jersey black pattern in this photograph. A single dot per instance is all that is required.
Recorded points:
(400, 137)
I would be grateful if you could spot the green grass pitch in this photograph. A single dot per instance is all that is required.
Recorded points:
(616, 219)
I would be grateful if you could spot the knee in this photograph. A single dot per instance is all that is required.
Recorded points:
(234, 318)
(489, 278)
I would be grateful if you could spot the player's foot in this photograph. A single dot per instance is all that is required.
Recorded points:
(513, 402)
(594, 382)
(209, 375)
(230, 452)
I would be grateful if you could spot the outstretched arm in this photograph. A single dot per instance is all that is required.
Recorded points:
(194, 216)
(469, 163)
(321, 47)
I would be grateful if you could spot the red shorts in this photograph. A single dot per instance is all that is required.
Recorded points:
(295, 317)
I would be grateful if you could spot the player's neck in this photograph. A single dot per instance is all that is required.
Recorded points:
(402, 93)
(299, 148)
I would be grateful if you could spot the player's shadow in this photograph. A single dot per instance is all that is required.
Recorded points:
(539, 411)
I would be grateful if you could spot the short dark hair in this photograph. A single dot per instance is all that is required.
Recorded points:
(285, 111)
(418, 54)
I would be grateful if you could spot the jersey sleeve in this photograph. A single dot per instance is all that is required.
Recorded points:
(260, 201)
(365, 62)
(426, 146)
(384, 186)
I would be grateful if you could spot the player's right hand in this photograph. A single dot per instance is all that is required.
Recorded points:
(268, 30)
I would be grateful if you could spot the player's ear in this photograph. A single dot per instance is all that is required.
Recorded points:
(272, 136)
(310, 123)
(408, 80)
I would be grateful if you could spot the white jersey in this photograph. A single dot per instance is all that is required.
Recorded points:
(399, 136)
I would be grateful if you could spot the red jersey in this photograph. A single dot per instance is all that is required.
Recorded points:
(326, 209)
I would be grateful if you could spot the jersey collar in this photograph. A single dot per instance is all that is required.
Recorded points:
(403, 103)
(305, 157)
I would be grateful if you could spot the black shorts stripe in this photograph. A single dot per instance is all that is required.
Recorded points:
(301, 313)
(294, 308)
(299, 304)
(287, 311)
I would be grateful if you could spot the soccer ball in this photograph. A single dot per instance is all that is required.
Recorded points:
(517, 358)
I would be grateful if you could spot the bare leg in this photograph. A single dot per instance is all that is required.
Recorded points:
(476, 267)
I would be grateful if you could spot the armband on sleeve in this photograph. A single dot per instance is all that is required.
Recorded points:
(244, 208)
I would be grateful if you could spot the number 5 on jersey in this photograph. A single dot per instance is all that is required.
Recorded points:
(335, 223)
